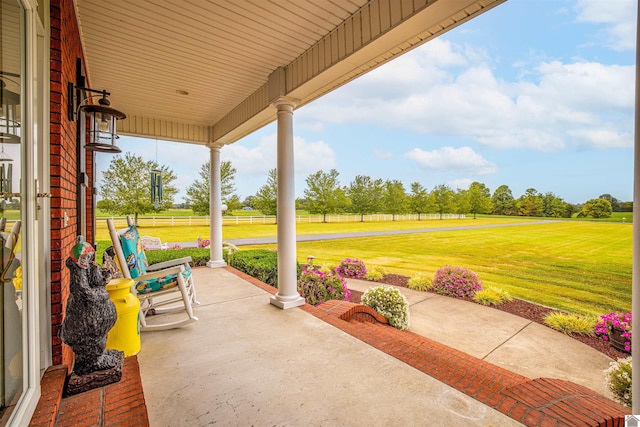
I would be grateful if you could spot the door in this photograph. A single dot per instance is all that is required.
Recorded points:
(21, 133)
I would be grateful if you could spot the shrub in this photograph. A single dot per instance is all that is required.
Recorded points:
(492, 296)
(375, 273)
(420, 282)
(259, 263)
(456, 282)
(569, 323)
(618, 380)
(351, 267)
(199, 257)
(390, 303)
(317, 287)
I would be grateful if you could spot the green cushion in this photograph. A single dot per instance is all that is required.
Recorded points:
(133, 253)
(166, 282)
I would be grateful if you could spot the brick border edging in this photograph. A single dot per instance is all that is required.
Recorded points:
(120, 403)
(51, 388)
(538, 402)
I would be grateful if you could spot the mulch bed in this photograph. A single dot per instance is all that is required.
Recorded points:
(518, 307)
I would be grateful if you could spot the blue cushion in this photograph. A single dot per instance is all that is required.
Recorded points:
(133, 253)
(165, 282)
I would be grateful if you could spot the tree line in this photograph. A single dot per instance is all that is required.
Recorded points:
(125, 190)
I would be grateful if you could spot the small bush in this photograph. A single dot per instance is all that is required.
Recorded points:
(351, 267)
(569, 323)
(618, 380)
(375, 273)
(199, 257)
(259, 263)
(317, 287)
(420, 282)
(390, 303)
(456, 282)
(492, 296)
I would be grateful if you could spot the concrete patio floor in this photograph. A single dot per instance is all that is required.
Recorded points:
(246, 362)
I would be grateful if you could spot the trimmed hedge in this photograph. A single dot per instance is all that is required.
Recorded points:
(259, 263)
(198, 256)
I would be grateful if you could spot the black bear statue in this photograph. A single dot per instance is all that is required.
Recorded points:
(90, 314)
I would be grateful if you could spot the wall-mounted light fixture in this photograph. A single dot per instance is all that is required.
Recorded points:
(101, 116)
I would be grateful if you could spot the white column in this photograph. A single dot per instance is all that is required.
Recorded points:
(635, 271)
(215, 211)
(287, 296)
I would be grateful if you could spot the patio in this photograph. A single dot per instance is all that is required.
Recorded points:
(248, 363)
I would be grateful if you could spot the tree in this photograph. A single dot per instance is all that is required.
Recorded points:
(419, 199)
(266, 199)
(233, 203)
(126, 186)
(553, 206)
(365, 195)
(615, 203)
(442, 199)
(198, 193)
(460, 202)
(530, 203)
(248, 201)
(503, 201)
(479, 198)
(394, 198)
(324, 194)
(597, 208)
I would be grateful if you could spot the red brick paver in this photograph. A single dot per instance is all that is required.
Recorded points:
(118, 404)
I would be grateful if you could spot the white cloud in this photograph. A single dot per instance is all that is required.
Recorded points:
(550, 108)
(619, 18)
(460, 160)
(309, 156)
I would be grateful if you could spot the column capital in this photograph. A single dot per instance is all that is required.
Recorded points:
(283, 102)
(215, 145)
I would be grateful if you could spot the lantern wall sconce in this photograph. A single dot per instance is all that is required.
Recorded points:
(101, 116)
(9, 113)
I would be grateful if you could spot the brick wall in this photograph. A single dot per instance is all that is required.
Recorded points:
(65, 49)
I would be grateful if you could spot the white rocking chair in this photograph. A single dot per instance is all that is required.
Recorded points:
(154, 284)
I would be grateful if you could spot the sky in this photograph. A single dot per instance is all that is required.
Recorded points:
(531, 94)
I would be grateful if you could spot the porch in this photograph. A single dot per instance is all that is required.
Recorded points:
(247, 363)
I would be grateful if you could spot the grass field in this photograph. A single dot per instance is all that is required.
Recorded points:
(583, 267)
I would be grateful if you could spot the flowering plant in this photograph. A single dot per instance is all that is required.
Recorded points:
(618, 380)
(621, 321)
(203, 243)
(390, 303)
(316, 286)
(456, 282)
(352, 267)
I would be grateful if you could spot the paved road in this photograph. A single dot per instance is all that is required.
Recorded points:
(354, 235)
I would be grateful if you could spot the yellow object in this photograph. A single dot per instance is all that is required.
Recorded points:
(17, 281)
(125, 334)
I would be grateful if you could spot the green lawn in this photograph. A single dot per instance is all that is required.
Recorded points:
(231, 231)
(580, 267)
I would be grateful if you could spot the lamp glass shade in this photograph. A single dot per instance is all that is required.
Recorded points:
(102, 128)
(9, 116)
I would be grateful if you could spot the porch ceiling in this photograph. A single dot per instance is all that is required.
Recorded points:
(223, 52)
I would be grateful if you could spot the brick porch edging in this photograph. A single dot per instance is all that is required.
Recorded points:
(118, 404)
(538, 402)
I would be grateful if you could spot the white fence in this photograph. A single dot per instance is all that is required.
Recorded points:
(166, 221)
